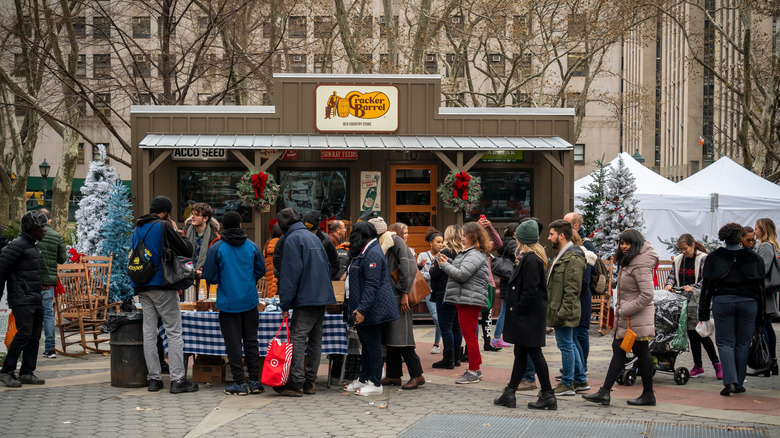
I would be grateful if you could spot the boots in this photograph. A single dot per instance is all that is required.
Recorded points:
(507, 398)
(448, 361)
(458, 353)
(646, 399)
(487, 333)
(464, 357)
(601, 397)
(546, 400)
(488, 346)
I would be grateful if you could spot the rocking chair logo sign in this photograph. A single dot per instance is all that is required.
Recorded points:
(356, 108)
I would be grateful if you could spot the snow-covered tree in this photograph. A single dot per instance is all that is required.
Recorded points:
(116, 231)
(92, 207)
(619, 211)
(591, 205)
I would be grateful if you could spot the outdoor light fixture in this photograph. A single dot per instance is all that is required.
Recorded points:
(638, 157)
(44, 168)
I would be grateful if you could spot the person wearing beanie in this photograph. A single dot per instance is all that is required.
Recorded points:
(311, 221)
(159, 300)
(526, 320)
(379, 224)
(285, 219)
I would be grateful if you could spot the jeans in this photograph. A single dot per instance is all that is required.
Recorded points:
(371, 355)
(306, 334)
(435, 315)
(448, 321)
(734, 321)
(162, 303)
(238, 327)
(468, 317)
(522, 356)
(618, 362)
(29, 322)
(47, 296)
(696, 343)
(500, 322)
(582, 341)
(571, 357)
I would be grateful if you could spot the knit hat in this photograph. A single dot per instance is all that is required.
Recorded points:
(161, 204)
(286, 218)
(312, 220)
(527, 232)
(379, 224)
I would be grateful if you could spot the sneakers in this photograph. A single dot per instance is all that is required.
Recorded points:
(155, 385)
(237, 389)
(51, 354)
(562, 389)
(479, 374)
(10, 380)
(718, 371)
(309, 388)
(697, 371)
(581, 387)
(289, 390)
(468, 377)
(435, 350)
(183, 385)
(499, 343)
(525, 385)
(367, 390)
(354, 385)
(255, 387)
(558, 378)
(31, 379)
(165, 368)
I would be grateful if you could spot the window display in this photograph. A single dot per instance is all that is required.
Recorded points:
(323, 190)
(505, 195)
(216, 187)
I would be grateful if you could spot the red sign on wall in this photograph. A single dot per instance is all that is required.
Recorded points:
(339, 154)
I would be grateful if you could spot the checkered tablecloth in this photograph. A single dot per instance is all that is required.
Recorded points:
(201, 333)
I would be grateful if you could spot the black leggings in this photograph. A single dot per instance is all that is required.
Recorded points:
(486, 322)
(521, 361)
(696, 343)
(617, 364)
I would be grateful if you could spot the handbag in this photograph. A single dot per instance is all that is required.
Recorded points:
(502, 267)
(419, 289)
(628, 340)
(10, 332)
(276, 368)
(758, 355)
(772, 280)
(175, 267)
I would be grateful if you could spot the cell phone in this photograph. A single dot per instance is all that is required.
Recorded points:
(482, 216)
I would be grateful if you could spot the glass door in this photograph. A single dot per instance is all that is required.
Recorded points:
(413, 200)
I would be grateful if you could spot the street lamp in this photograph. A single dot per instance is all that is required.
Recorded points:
(44, 168)
(638, 157)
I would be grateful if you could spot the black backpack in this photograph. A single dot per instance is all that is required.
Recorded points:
(598, 277)
(343, 253)
(140, 268)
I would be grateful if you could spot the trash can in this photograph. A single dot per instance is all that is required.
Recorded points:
(128, 366)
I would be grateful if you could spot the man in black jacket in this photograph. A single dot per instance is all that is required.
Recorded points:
(311, 221)
(20, 268)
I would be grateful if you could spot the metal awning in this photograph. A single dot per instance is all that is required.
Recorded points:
(359, 142)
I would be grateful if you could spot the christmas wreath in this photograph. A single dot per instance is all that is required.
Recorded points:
(258, 189)
(460, 191)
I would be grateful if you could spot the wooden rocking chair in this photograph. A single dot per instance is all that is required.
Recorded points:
(74, 310)
(600, 305)
(99, 278)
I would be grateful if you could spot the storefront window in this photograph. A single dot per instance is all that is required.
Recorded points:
(214, 187)
(506, 196)
(323, 190)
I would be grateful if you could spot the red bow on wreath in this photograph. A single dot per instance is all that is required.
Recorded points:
(461, 185)
(75, 256)
(259, 180)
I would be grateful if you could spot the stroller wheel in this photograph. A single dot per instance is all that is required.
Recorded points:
(681, 375)
(630, 377)
(620, 378)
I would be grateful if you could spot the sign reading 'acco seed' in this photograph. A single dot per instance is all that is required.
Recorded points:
(356, 108)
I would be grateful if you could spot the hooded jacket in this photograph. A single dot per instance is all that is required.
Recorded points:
(304, 277)
(732, 272)
(563, 288)
(586, 298)
(634, 301)
(235, 264)
(370, 292)
(159, 232)
(467, 278)
(53, 252)
(20, 271)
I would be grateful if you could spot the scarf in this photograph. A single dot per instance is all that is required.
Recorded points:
(558, 257)
(192, 236)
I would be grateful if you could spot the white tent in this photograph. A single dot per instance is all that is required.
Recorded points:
(669, 209)
(739, 195)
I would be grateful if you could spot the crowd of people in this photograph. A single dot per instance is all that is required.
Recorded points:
(540, 295)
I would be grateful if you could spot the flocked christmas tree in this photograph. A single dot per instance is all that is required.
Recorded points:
(116, 231)
(92, 206)
(619, 211)
(591, 205)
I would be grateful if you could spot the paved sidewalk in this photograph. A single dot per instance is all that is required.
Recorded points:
(77, 400)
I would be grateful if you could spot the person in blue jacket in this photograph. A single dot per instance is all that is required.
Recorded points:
(304, 286)
(370, 303)
(235, 264)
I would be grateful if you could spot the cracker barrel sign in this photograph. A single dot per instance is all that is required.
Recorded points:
(356, 108)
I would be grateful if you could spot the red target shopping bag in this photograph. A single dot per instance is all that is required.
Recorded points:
(276, 368)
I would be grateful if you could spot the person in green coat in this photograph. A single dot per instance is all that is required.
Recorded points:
(53, 252)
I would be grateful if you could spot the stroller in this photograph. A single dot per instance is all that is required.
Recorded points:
(671, 339)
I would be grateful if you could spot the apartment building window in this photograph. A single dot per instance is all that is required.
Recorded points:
(296, 63)
(296, 26)
(96, 151)
(323, 26)
(229, 99)
(577, 64)
(142, 27)
(103, 104)
(367, 60)
(383, 26)
(81, 106)
(493, 100)
(101, 28)
(520, 99)
(496, 27)
(266, 24)
(80, 154)
(142, 68)
(526, 63)
(323, 63)
(203, 23)
(521, 26)
(384, 63)
(161, 27)
(204, 98)
(20, 65)
(80, 27)
(455, 27)
(26, 28)
(365, 27)
(101, 66)
(170, 68)
(431, 64)
(579, 153)
(576, 25)
(81, 66)
(144, 99)
(497, 64)
(461, 70)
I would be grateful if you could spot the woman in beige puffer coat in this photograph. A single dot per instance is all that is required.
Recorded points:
(633, 309)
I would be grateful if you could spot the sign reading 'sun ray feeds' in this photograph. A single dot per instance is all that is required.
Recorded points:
(356, 108)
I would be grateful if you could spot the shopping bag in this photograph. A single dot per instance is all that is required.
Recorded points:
(705, 329)
(680, 340)
(758, 355)
(276, 368)
(11, 331)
